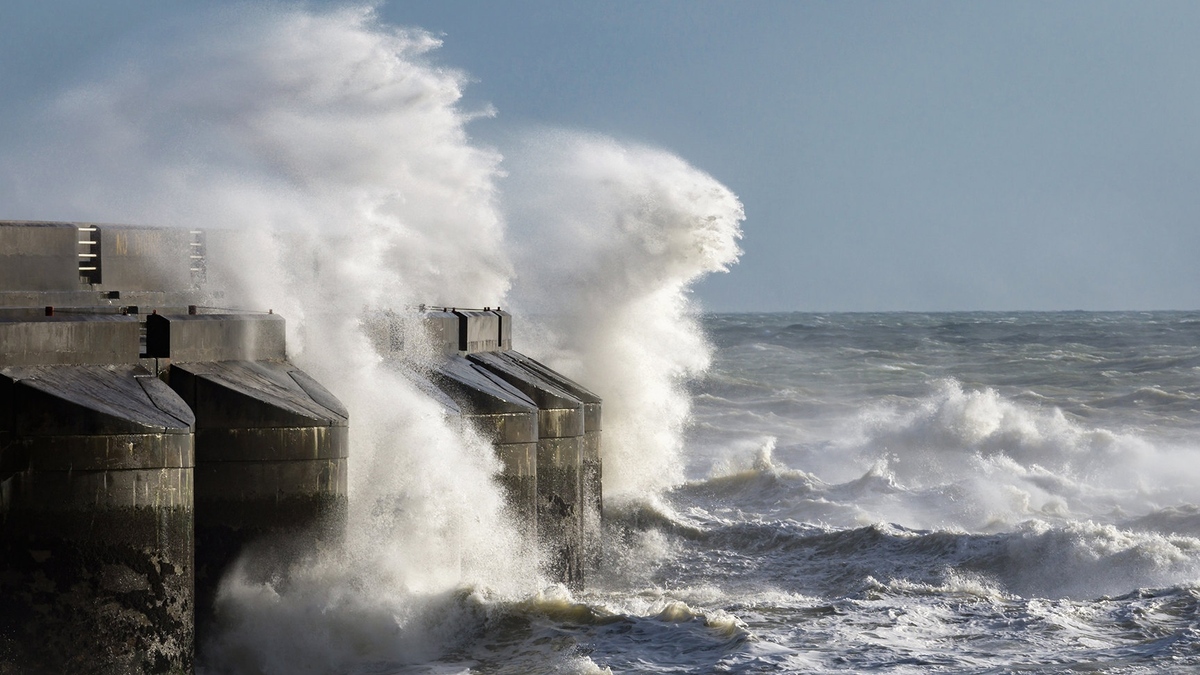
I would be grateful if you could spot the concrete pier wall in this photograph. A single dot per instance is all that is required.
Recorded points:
(272, 444)
(38, 256)
(145, 441)
(591, 472)
(509, 419)
(96, 499)
(559, 464)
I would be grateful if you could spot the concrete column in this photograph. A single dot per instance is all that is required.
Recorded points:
(96, 506)
(509, 419)
(559, 463)
(272, 444)
(272, 450)
(591, 471)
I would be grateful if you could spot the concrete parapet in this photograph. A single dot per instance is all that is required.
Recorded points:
(591, 467)
(96, 498)
(559, 463)
(69, 340)
(478, 330)
(215, 337)
(37, 256)
(509, 419)
(272, 448)
(468, 331)
(442, 326)
(136, 258)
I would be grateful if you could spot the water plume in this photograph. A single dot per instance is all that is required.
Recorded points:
(611, 236)
(336, 152)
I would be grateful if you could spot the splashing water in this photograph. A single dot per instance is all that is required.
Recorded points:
(337, 151)
(611, 237)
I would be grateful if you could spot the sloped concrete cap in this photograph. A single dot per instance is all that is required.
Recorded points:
(91, 418)
(255, 394)
(544, 392)
(478, 390)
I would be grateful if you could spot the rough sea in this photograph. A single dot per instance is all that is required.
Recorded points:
(905, 493)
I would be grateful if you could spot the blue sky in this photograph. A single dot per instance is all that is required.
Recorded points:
(890, 156)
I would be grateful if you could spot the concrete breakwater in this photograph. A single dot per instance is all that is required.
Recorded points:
(145, 441)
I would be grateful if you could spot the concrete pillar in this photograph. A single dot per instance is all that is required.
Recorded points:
(591, 471)
(96, 476)
(509, 419)
(559, 462)
(272, 444)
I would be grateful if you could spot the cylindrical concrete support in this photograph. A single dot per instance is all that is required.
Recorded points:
(272, 449)
(559, 463)
(591, 465)
(509, 419)
(96, 509)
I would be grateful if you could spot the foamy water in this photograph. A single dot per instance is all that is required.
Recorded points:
(787, 493)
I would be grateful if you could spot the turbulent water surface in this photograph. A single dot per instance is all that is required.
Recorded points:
(896, 493)
(903, 492)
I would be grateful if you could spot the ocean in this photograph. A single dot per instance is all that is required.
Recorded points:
(892, 493)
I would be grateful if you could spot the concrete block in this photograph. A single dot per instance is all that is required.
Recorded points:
(136, 258)
(36, 256)
(187, 338)
(96, 503)
(505, 329)
(478, 331)
(63, 340)
(442, 327)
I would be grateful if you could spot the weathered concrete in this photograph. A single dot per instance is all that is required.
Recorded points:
(272, 448)
(69, 340)
(505, 320)
(442, 326)
(591, 465)
(509, 419)
(96, 478)
(36, 256)
(467, 331)
(478, 330)
(559, 463)
(136, 258)
(190, 338)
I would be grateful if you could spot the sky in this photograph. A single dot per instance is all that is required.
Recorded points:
(891, 156)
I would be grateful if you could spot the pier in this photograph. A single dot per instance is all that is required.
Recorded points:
(146, 440)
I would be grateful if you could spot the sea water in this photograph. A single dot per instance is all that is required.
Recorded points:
(897, 493)
(902, 493)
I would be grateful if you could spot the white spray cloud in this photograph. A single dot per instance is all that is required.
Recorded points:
(611, 235)
(339, 155)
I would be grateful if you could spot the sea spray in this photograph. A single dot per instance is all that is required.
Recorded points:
(610, 237)
(336, 154)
